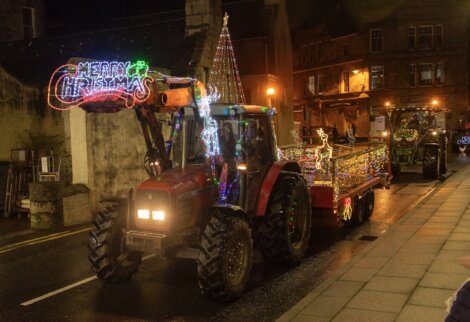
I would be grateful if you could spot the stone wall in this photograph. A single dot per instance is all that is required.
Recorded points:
(108, 153)
(25, 121)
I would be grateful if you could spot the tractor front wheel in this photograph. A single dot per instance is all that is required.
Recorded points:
(225, 258)
(284, 233)
(109, 258)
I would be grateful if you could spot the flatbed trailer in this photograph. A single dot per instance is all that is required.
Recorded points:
(343, 184)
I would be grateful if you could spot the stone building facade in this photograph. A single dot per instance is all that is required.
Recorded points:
(411, 52)
(263, 49)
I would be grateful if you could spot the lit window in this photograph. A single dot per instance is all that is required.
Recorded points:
(412, 38)
(412, 75)
(28, 23)
(346, 51)
(346, 81)
(425, 74)
(303, 55)
(311, 84)
(376, 38)
(321, 84)
(311, 53)
(439, 73)
(425, 37)
(376, 77)
(438, 36)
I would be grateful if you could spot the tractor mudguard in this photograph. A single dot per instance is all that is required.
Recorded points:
(283, 166)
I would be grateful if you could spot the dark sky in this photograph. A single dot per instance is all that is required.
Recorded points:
(72, 16)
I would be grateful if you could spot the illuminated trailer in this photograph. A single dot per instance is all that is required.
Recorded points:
(342, 179)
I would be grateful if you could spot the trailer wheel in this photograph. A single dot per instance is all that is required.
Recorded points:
(224, 263)
(369, 201)
(431, 161)
(358, 215)
(109, 258)
(284, 233)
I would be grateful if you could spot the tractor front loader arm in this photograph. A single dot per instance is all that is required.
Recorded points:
(152, 131)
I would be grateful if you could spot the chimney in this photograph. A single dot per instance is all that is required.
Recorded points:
(202, 15)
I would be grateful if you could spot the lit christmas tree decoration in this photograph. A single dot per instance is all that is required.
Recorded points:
(224, 75)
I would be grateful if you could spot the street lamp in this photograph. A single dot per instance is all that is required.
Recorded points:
(435, 102)
(270, 92)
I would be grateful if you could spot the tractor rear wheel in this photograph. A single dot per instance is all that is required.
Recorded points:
(284, 233)
(225, 258)
(109, 258)
(431, 161)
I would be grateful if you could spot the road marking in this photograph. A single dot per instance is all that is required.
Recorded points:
(68, 287)
(39, 240)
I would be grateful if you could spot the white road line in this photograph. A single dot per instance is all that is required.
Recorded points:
(68, 287)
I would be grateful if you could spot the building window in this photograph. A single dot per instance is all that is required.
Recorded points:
(413, 75)
(320, 53)
(311, 53)
(438, 36)
(303, 55)
(439, 73)
(311, 84)
(412, 38)
(28, 23)
(320, 84)
(346, 50)
(425, 37)
(376, 40)
(425, 74)
(346, 81)
(376, 77)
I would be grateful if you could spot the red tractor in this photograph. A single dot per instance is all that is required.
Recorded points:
(213, 207)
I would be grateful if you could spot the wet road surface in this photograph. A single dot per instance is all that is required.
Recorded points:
(168, 289)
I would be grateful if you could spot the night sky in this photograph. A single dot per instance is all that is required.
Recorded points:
(75, 16)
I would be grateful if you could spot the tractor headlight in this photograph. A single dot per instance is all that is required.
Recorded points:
(143, 214)
(158, 215)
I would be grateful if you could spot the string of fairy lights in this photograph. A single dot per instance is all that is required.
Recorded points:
(224, 71)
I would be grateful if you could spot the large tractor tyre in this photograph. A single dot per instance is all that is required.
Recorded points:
(431, 161)
(396, 168)
(109, 257)
(284, 233)
(225, 258)
(369, 202)
(443, 158)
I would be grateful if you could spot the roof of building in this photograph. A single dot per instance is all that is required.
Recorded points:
(162, 44)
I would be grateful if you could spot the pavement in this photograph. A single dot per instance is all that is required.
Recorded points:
(406, 274)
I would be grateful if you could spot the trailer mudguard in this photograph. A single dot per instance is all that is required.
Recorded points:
(283, 166)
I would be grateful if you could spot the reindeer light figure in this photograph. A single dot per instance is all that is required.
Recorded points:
(323, 152)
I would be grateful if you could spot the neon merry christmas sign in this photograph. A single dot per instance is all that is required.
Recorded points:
(99, 81)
